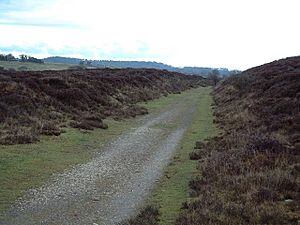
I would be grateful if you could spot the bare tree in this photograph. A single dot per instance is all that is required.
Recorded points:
(214, 76)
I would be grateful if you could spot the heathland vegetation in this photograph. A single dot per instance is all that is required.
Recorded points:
(43, 103)
(60, 112)
(26, 166)
(250, 174)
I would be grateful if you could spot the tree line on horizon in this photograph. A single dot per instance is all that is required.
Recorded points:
(22, 58)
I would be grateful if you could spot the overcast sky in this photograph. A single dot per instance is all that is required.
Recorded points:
(237, 34)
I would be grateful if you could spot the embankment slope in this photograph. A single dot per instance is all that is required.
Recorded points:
(35, 103)
(250, 174)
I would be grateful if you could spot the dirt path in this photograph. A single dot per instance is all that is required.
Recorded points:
(114, 184)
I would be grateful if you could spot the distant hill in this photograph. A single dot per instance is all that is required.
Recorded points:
(204, 71)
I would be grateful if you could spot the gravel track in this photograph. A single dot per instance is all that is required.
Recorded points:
(113, 185)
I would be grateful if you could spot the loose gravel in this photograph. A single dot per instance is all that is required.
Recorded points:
(113, 185)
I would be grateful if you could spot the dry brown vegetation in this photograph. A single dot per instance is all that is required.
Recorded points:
(43, 102)
(147, 216)
(250, 174)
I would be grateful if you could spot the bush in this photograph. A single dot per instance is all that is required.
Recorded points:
(241, 82)
(88, 124)
(197, 154)
(49, 128)
(199, 145)
(19, 135)
(147, 216)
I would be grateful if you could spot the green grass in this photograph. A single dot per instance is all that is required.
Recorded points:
(27, 166)
(34, 66)
(173, 189)
(166, 101)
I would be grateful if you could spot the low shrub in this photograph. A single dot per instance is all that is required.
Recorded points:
(197, 154)
(48, 128)
(199, 145)
(18, 136)
(147, 216)
(88, 124)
